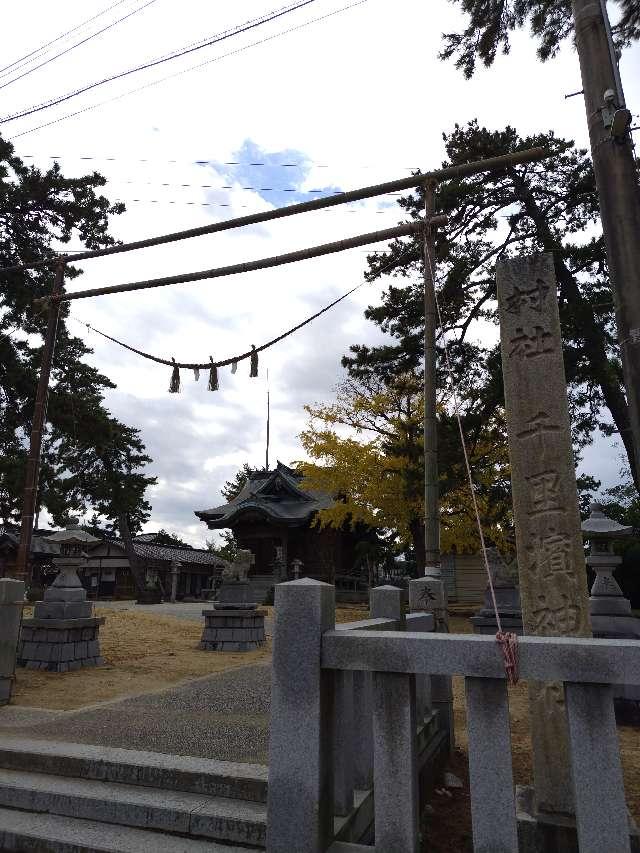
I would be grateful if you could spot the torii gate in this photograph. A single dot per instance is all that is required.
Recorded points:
(427, 179)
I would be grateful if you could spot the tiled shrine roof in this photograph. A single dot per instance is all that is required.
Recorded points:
(275, 495)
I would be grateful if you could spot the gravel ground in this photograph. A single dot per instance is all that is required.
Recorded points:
(190, 610)
(223, 716)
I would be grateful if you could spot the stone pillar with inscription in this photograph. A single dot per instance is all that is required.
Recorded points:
(551, 563)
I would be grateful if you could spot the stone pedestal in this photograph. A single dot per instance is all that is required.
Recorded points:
(508, 601)
(232, 630)
(505, 586)
(235, 595)
(63, 634)
(60, 645)
(234, 624)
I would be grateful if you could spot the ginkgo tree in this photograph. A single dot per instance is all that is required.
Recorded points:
(366, 449)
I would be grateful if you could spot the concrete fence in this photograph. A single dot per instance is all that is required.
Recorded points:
(11, 600)
(324, 674)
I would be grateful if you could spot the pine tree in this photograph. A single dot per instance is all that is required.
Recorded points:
(544, 207)
(490, 24)
(91, 462)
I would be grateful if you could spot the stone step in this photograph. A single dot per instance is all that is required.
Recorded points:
(25, 832)
(175, 812)
(132, 767)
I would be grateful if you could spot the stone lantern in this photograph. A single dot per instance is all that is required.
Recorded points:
(63, 633)
(606, 596)
(610, 610)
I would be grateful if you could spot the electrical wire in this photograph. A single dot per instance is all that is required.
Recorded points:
(233, 186)
(78, 44)
(225, 204)
(242, 28)
(186, 70)
(21, 61)
(205, 162)
(448, 172)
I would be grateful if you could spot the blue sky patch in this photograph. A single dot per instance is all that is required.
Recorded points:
(275, 175)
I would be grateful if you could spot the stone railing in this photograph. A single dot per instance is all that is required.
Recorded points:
(11, 602)
(353, 765)
(313, 665)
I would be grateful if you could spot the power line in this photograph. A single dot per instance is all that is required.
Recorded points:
(203, 161)
(218, 204)
(21, 60)
(191, 68)
(242, 28)
(232, 187)
(459, 170)
(78, 44)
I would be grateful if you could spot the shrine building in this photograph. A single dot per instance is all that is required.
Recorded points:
(276, 519)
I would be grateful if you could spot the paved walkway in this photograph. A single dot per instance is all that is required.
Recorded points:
(223, 716)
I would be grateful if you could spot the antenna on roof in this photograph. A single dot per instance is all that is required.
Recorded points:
(268, 423)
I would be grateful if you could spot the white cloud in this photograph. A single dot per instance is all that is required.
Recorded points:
(361, 96)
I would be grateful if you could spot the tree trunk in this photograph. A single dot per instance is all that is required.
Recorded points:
(616, 177)
(595, 341)
(134, 566)
(416, 528)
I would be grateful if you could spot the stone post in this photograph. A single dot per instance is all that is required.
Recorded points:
(385, 602)
(428, 595)
(11, 599)
(175, 574)
(553, 579)
(300, 800)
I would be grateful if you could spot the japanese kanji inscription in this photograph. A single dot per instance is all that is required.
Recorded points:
(553, 580)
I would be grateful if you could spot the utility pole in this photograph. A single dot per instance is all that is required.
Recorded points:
(268, 424)
(430, 429)
(30, 496)
(617, 182)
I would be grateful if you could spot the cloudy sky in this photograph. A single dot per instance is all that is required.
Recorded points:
(346, 94)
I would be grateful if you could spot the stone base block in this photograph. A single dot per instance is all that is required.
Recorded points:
(232, 630)
(65, 594)
(61, 645)
(63, 609)
(552, 833)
